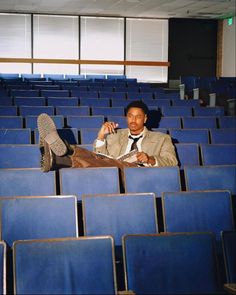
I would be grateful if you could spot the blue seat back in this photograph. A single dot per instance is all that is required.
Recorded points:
(35, 110)
(19, 156)
(8, 111)
(218, 154)
(211, 177)
(120, 120)
(62, 101)
(199, 122)
(208, 111)
(72, 110)
(11, 122)
(223, 135)
(65, 266)
(208, 211)
(85, 121)
(55, 93)
(95, 102)
(26, 182)
(170, 122)
(171, 264)
(88, 135)
(187, 154)
(25, 218)
(189, 135)
(227, 121)
(117, 215)
(156, 180)
(229, 249)
(176, 111)
(99, 180)
(108, 111)
(15, 136)
(29, 101)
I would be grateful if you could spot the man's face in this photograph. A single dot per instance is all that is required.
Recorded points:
(136, 120)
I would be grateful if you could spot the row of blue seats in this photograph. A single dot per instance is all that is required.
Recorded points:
(122, 93)
(103, 180)
(155, 111)
(213, 122)
(99, 102)
(35, 262)
(115, 214)
(86, 135)
(28, 155)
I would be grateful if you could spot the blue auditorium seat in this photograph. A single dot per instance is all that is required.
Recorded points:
(74, 77)
(199, 122)
(65, 266)
(119, 214)
(84, 94)
(72, 110)
(19, 156)
(213, 177)
(218, 154)
(5, 101)
(29, 101)
(46, 86)
(99, 180)
(121, 120)
(8, 111)
(26, 182)
(189, 135)
(229, 249)
(69, 134)
(85, 121)
(119, 102)
(139, 96)
(11, 122)
(157, 102)
(186, 102)
(107, 111)
(62, 101)
(55, 93)
(112, 95)
(208, 111)
(88, 135)
(3, 254)
(30, 76)
(35, 110)
(227, 121)
(170, 122)
(25, 93)
(95, 102)
(223, 136)
(207, 211)
(26, 218)
(15, 136)
(156, 180)
(178, 263)
(31, 121)
(187, 154)
(182, 111)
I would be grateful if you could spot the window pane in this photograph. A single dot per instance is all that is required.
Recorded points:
(147, 40)
(102, 38)
(15, 40)
(56, 37)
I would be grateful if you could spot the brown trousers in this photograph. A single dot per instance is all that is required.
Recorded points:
(82, 158)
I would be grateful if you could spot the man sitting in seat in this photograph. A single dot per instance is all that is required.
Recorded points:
(148, 148)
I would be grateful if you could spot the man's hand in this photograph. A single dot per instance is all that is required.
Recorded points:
(144, 158)
(107, 128)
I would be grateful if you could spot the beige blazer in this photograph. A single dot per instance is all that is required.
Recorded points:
(156, 144)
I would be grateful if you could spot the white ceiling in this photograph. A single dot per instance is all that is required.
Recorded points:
(128, 8)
